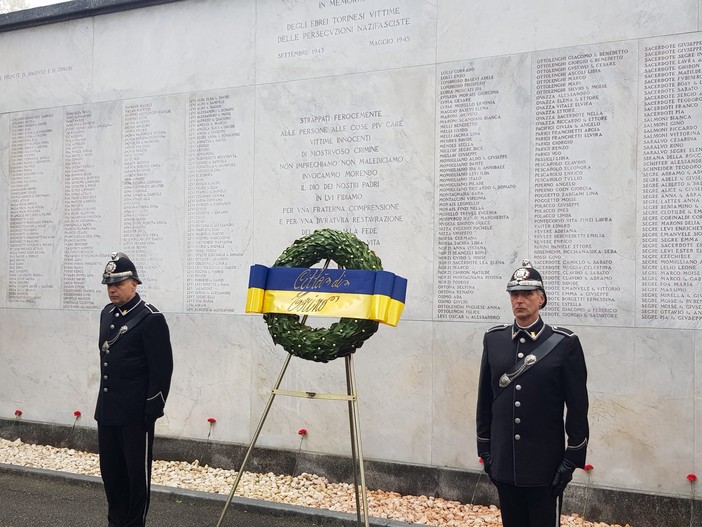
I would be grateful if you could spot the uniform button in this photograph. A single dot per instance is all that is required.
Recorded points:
(518, 387)
(517, 437)
(520, 355)
(104, 389)
(517, 420)
(104, 377)
(104, 364)
(517, 404)
(522, 340)
(112, 326)
(117, 314)
(107, 352)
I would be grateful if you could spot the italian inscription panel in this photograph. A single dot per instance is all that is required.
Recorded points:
(327, 37)
(350, 153)
(584, 210)
(587, 159)
(166, 180)
(670, 183)
(482, 175)
(153, 194)
(35, 215)
(91, 190)
(218, 192)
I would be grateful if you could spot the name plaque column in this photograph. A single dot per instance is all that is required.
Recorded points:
(34, 251)
(153, 152)
(218, 198)
(583, 173)
(483, 183)
(670, 164)
(91, 176)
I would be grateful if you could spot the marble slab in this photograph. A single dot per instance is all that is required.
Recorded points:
(49, 376)
(91, 189)
(393, 377)
(670, 182)
(4, 203)
(211, 377)
(470, 30)
(697, 417)
(201, 45)
(49, 66)
(583, 158)
(457, 351)
(35, 192)
(630, 398)
(219, 177)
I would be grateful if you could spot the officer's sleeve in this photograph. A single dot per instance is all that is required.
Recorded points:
(483, 413)
(576, 424)
(103, 325)
(159, 355)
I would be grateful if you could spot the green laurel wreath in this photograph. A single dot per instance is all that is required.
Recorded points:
(341, 338)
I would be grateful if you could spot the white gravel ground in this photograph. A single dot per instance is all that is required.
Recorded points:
(306, 489)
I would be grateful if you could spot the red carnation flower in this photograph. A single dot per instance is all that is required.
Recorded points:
(211, 420)
(480, 460)
(588, 468)
(18, 413)
(77, 413)
(302, 432)
(691, 478)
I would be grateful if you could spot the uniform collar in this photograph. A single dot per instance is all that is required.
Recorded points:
(126, 308)
(533, 331)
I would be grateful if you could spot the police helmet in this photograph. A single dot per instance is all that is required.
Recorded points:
(118, 269)
(526, 278)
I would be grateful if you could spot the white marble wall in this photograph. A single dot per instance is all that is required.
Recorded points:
(204, 136)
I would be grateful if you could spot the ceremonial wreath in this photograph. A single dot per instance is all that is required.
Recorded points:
(360, 292)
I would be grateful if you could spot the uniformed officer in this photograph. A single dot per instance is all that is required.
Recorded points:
(136, 363)
(529, 372)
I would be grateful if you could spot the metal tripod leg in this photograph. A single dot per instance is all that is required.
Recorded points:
(254, 439)
(356, 447)
(354, 425)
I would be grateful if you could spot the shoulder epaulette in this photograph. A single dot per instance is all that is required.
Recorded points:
(501, 326)
(151, 308)
(563, 331)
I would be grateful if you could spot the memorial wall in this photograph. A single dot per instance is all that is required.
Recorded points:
(455, 138)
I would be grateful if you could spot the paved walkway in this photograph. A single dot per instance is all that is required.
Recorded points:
(42, 498)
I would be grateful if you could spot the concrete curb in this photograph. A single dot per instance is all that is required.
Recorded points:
(322, 517)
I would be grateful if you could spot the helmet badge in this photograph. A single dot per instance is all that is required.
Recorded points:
(521, 274)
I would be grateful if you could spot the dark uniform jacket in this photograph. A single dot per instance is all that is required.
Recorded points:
(523, 427)
(135, 365)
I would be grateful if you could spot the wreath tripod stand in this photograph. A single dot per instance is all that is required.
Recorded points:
(383, 297)
(359, 478)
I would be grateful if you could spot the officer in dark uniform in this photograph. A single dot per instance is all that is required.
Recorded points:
(136, 363)
(529, 372)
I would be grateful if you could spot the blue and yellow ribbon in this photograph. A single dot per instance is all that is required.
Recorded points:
(344, 293)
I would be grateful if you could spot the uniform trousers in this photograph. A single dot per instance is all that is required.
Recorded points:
(126, 453)
(528, 506)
